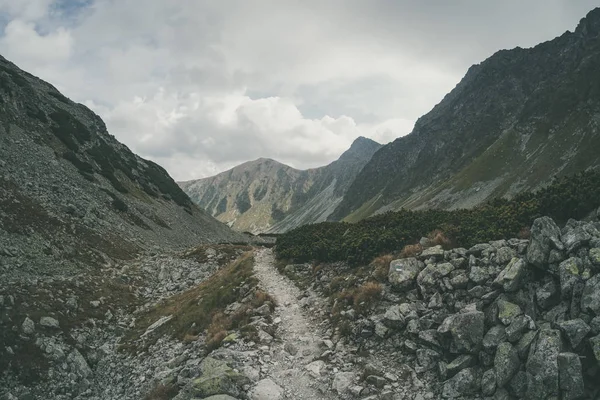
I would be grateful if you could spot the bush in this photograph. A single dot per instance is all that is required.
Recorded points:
(569, 197)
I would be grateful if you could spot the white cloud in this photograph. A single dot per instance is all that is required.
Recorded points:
(200, 86)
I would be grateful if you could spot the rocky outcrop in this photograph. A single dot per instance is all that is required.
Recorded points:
(513, 122)
(525, 326)
(267, 196)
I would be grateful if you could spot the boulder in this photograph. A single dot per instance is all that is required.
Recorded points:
(595, 346)
(575, 235)
(436, 252)
(542, 365)
(590, 299)
(570, 376)
(28, 326)
(506, 363)
(488, 382)
(466, 330)
(463, 383)
(569, 272)
(511, 278)
(342, 382)
(493, 337)
(403, 273)
(508, 311)
(49, 322)
(426, 359)
(432, 274)
(548, 295)
(266, 389)
(459, 363)
(218, 378)
(545, 235)
(594, 256)
(393, 317)
(78, 364)
(574, 330)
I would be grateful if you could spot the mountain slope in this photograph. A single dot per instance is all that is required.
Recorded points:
(513, 122)
(71, 195)
(265, 195)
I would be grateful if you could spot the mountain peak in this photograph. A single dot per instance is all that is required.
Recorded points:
(590, 24)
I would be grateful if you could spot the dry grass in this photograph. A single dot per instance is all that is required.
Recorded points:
(411, 250)
(381, 266)
(438, 238)
(362, 298)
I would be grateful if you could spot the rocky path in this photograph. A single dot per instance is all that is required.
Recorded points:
(295, 366)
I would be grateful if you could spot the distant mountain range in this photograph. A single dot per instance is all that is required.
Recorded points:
(267, 196)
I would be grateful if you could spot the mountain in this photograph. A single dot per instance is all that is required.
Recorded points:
(267, 196)
(72, 196)
(514, 122)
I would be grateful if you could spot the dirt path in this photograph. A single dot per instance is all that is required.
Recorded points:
(301, 375)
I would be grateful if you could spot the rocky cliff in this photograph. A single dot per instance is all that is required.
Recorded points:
(267, 196)
(71, 196)
(513, 122)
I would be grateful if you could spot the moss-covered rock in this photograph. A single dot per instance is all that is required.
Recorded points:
(218, 378)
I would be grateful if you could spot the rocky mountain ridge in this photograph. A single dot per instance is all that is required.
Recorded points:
(72, 196)
(513, 122)
(267, 196)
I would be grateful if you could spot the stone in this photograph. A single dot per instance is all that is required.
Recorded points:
(342, 382)
(479, 274)
(506, 363)
(488, 382)
(548, 295)
(436, 252)
(266, 389)
(218, 378)
(459, 363)
(493, 337)
(160, 322)
(590, 299)
(542, 365)
(264, 337)
(595, 346)
(504, 255)
(594, 255)
(511, 278)
(431, 275)
(574, 237)
(466, 329)
(426, 359)
(569, 272)
(524, 344)
(394, 318)
(518, 384)
(28, 326)
(435, 301)
(478, 249)
(316, 368)
(507, 311)
(545, 235)
(403, 273)
(575, 330)
(377, 381)
(49, 322)
(570, 376)
(463, 383)
(78, 364)
(220, 397)
(290, 348)
(460, 281)
(595, 325)
(517, 327)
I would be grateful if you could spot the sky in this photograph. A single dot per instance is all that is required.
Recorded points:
(201, 86)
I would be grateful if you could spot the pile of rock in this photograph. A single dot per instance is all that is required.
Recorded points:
(505, 319)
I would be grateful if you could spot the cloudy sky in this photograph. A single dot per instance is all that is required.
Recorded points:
(200, 86)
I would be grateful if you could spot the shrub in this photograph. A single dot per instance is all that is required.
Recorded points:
(367, 294)
(381, 266)
(438, 238)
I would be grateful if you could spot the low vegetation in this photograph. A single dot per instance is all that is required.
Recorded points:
(568, 197)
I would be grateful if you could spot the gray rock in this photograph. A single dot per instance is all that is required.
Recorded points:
(479, 274)
(478, 249)
(342, 382)
(595, 325)
(594, 255)
(394, 318)
(595, 346)
(460, 363)
(431, 275)
(570, 376)
(545, 235)
(217, 378)
(464, 383)
(590, 299)
(49, 322)
(403, 273)
(575, 237)
(575, 330)
(266, 389)
(570, 273)
(488, 382)
(548, 295)
(28, 326)
(511, 278)
(290, 348)
(466, 330)
(518, 384)
(377, 381)
(493, 337)
(78, 364)
(542, 365)
(506, 363)
(504, 255)
(426, 359)
(508, 311)
(436, 252)
(517, 327)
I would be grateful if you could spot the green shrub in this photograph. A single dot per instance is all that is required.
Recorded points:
(567, 197)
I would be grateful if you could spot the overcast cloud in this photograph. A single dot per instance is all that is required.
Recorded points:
(200, 86)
